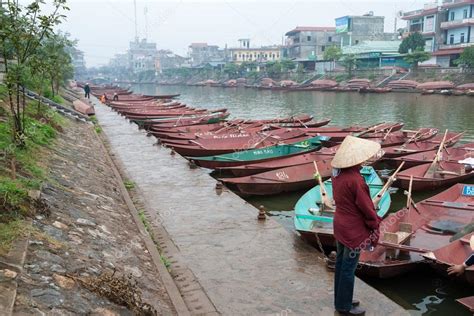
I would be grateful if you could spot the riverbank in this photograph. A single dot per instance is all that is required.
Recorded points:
(70, 243)
(88, 234)
(221, 254)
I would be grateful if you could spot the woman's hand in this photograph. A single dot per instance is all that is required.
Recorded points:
(457, 269)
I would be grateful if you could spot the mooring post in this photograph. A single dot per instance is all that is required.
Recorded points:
(261, 213)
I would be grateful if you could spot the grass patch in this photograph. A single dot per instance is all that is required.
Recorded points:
(11, 231)
(129, 185)
(98, 129)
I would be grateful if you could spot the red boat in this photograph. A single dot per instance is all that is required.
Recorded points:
(444, 173)
(192, 129)
(422, 227)
(453, 154)
(224, 146)
(175, 122)
(282, 180)
(421, 146)
(169, 114)
(227, 133)
(453, 253)
(467, 302)
(249, 169)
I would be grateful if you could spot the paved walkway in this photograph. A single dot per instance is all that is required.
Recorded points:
(243, 266)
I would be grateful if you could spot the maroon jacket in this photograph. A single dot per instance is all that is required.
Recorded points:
(355, 218)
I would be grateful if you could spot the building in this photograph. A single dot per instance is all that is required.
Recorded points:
(353, 30)
(245, 53)
(374, 54)
(202, 53)
(166, 59)
(427, 22)
(458, 29)
(306, 44)
(141, 56)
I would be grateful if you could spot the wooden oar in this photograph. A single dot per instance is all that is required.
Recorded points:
(403, 247)
(322, 188)
(368, 130)
(260, 141)
(429, 173)
(376, 200)
(409, 200)
(388, 133)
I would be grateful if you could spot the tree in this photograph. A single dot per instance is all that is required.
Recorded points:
(287, 64)
(349, 62)
(418, 56)
(273, 68)
(467, 57)
(231, 70)
(23, 30)
(413, 42)
(333, 53)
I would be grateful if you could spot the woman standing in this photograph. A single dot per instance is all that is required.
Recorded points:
(356, 222)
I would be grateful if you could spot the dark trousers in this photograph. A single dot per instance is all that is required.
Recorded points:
(346, 264)
(87, 95)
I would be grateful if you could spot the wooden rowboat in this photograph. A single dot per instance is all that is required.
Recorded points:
(456, 252)
(259, 155)
(415, 230)
(453, 154)
(280, 180)
(259, 167)
(421, 146)
(315, 223)
(445, 173)
(224, 146)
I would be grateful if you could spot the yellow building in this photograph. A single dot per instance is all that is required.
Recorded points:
(245, 53)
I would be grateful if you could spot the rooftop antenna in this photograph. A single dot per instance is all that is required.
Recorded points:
(145, 12)
(135, 11)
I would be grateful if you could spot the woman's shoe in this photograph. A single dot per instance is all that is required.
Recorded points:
(355, 311)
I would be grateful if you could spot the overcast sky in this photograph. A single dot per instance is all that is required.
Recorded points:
(105, 27)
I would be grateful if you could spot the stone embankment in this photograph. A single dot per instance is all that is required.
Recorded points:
(87, 234)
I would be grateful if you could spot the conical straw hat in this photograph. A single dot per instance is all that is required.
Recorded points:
(471, 242)
(354, 151)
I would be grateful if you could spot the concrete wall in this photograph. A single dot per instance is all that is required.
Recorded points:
(459, 13)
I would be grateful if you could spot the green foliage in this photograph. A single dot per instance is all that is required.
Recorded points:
(341, 77)
(231, 70)
(273, 68)
(25, 34)
(11, 231)
(13, 194)
(413, 42)
(349, 62)
(416, 57)
(287, 64)
(467, 57)
(129, 184)
(333, 53)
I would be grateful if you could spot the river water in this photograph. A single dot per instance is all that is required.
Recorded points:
(422, 293)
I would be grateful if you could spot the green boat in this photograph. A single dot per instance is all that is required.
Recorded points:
(316, 224)
(250, 156)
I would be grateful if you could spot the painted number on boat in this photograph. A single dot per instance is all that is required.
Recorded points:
(468, 190)
(281, 175)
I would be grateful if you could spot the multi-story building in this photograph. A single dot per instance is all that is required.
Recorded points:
(458, 29)
(353, 29)
(427, 22)
(307, 44)
(142, 55)
(202, 53)
(245, 53)
(166, 59)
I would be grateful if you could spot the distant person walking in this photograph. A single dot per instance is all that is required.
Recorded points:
(87, 91)
(356, 222)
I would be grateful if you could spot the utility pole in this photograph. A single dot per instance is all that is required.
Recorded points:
(136, 27)
(145, 12)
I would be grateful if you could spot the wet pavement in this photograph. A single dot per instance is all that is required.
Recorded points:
(243, 265)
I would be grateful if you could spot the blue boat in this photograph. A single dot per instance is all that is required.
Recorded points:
(314, 221)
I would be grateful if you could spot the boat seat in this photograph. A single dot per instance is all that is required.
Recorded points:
(401, 237)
